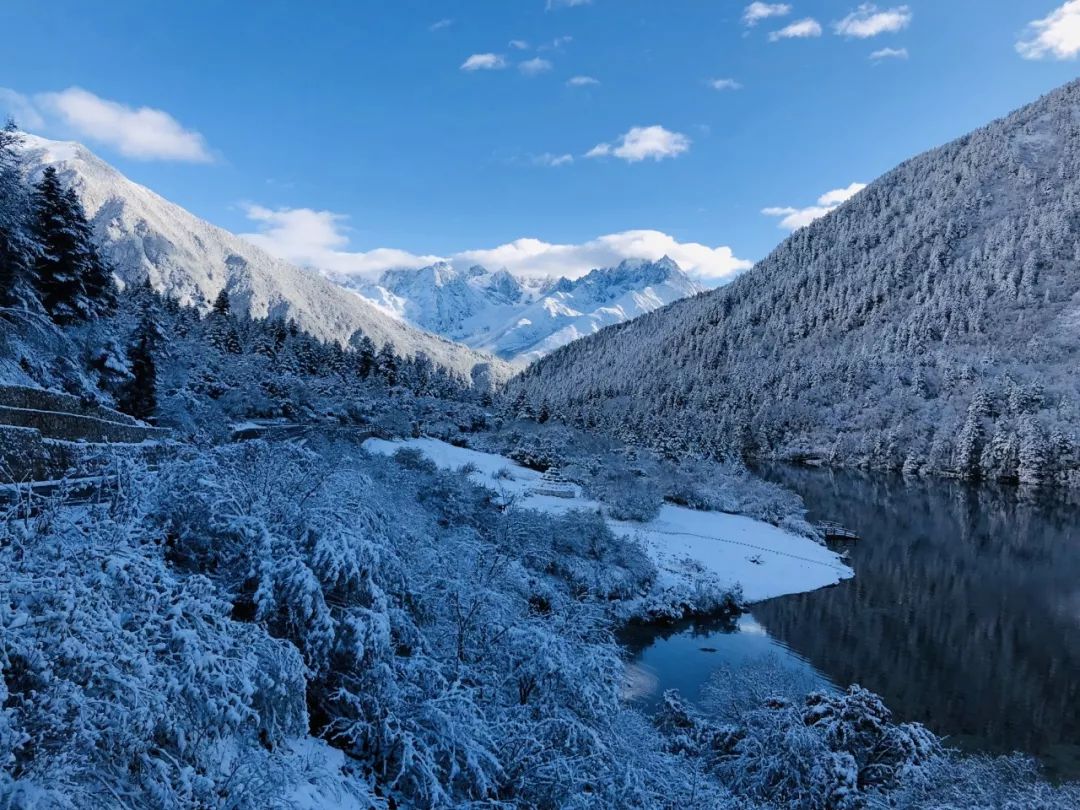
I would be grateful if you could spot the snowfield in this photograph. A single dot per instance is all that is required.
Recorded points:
(683, 543)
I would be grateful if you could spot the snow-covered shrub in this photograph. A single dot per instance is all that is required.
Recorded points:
(626, 495)
(127, 684)
(705, 595)
(580, 551)
(957, 781)
(460, 651)
(827, 750)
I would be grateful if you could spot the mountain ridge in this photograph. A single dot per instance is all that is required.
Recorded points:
(145, 236)
(519, 319)
(929, 324)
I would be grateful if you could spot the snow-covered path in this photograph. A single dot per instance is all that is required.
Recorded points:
(765, 560)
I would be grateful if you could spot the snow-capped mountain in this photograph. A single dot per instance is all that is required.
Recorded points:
(146, 236)
(523, 319)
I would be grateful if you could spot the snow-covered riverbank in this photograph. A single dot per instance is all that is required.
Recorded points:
(685, 544)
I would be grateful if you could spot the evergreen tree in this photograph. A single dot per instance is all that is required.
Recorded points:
(139, 397)
(365, 356)
(222, 305)
(220, 328)
(74, 282)
(1034, 452)
(386, 363)
(18, 250)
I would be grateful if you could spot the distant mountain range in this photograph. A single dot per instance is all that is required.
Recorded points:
(457, 317)
(932, 323)
(522, 320)
(147, 237)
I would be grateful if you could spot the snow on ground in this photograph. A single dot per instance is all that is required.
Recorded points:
(327, 786)
(765, 560)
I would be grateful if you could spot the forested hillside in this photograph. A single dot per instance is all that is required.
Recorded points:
(931, 324)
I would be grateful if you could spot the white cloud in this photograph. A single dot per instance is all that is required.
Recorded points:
(534, 257)
(553, 160)
(798, 30)
(582, 81)
(840, 195)
(20, 108)
(556, 43)
(318, 239)
(1055, 36)
(553, 4)
(441, 24)
(484, 61)
(644, 143)
(757, 11)
(534, 67)
(889, 53)
(868, 21)
(724, 84)
(519, 45)
(794, 218)
(142, 133)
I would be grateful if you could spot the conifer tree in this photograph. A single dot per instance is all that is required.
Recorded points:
(221, 330)
(365, 356)
(139, 397)
(386, 363)
(74, 282)
(222, 304)
(18, 250)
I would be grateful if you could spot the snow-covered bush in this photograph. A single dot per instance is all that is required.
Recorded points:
(957, 781)
(461, 651)
(626, 495)
(126, 684)
(827, 750)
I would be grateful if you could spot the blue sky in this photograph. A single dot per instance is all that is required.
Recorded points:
(330, 130)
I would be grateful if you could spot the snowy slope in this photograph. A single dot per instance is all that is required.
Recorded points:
(521, 320)
(685, 544)
(146, 236)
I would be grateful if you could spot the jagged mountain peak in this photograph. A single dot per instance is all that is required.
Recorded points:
(523, 319)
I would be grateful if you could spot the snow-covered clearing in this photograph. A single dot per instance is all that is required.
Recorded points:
(684, 544)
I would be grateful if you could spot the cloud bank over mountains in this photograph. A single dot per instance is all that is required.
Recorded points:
(319, 239)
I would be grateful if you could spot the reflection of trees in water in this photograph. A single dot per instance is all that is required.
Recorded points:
(964, 612)
(636, 638)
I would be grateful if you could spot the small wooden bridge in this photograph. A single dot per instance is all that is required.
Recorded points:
(834, 531)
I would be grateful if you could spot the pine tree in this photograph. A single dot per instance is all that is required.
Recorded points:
(1034, 461)
(17, 249)
(969, 446)
(74, 282)
(221, 330)
(365, 356)
(386, 363)
(222, 305)
(139, 397)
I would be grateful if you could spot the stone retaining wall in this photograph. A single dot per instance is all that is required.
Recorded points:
(74, 427)
(37, 399)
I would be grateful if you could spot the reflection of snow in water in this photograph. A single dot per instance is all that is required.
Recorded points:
(638, 682)
(688, 659)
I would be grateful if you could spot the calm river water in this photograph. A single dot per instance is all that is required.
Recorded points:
(964, 613)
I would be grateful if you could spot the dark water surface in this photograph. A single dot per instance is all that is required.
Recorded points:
(964, 613)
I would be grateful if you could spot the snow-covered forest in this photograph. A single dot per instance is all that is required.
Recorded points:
(196, 622)
(928, 325)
